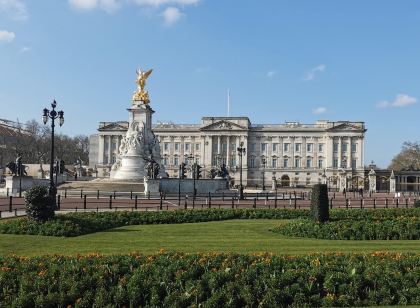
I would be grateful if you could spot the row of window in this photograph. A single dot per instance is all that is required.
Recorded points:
(274, 162)
(309, 163)
(264, 147)
(287, 147)
(344, 147)
(287, 163)
(177, 146)
(176, 161)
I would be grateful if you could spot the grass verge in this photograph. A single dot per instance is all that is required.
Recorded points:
(240, 236)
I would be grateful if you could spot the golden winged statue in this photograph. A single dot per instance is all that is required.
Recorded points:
(140, 94)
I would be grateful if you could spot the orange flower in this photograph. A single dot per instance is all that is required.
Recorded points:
(42, 273)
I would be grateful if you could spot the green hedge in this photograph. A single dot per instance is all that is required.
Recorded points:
(401, 229)
(395, 224)
(319, 203)
(75, 224)
(39, 205)
(210, 280)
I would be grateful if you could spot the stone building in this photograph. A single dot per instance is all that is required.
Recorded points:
(295, 154)
(405, 180)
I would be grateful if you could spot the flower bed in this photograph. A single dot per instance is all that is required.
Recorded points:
(210, 280)
(359, 225)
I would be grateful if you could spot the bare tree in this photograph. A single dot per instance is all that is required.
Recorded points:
(408, 158)
(33, 142)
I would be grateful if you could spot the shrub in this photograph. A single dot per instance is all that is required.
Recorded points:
(380, 224)
(75, 224)
(417, 204)
(39, 205)
(319, 203)
(398, 229)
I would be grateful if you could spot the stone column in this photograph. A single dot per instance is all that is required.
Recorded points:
(118, 145)
(109, 149)
(303, 151)
(329, 152)
(227, 150)
(281, 153)
(208, 151)
(339, 152)
(362, 152)
(101, 150)
(182, 150)
(350, 153)
(292, 151)
(392, 186)
(372, 180)
(218, 144)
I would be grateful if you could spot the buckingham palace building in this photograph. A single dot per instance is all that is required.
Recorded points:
(290, 154)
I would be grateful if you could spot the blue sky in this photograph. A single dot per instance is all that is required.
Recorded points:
(282, 61)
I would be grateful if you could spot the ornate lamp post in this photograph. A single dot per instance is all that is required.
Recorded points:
(263, 161)
(53, 115)
(241, 152)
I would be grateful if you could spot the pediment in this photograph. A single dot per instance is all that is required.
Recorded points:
(347, 127)
(222, 125)
(113, 127)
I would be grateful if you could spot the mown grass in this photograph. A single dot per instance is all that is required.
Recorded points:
(241, 236)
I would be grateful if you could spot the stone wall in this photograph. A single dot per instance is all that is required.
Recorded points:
(171, 185)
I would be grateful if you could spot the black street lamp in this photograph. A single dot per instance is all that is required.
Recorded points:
(57, 166)
(53, 115)
(263, 161)
(241, 152)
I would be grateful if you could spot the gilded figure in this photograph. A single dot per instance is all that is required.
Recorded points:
(141, 94)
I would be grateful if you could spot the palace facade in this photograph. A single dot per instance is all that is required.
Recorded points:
(295, 154)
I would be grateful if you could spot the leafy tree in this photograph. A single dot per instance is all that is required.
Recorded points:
(408, 158)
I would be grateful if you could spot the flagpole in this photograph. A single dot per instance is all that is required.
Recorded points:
(228, 103)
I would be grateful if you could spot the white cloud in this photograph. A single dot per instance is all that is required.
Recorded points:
(171, 12)
(6, 36)
(271, 73)
(171, 15)
(106, 5)
(13, 8)
(319, 110)
(112, 5)
(311, 74)
(165, 2)
(401, 100)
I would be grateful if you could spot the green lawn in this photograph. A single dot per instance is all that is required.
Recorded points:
(242, 236)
